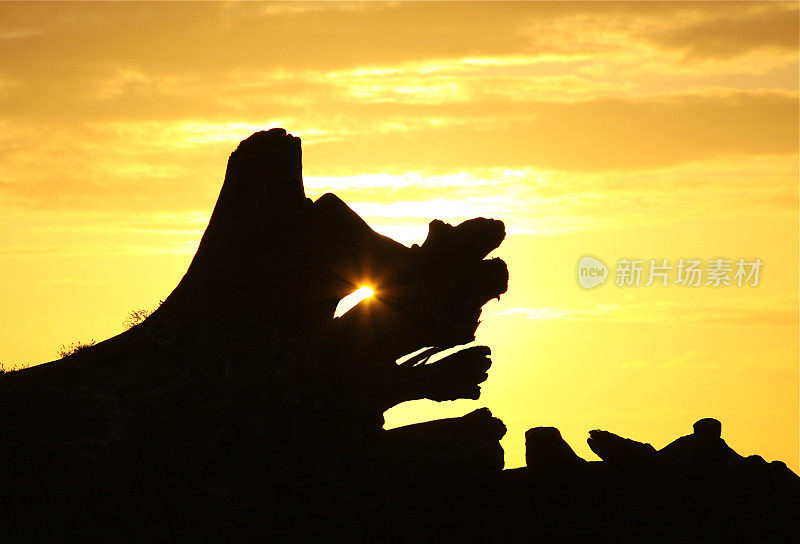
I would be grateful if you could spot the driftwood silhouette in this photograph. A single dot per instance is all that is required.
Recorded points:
(241, 410)
(242, 382)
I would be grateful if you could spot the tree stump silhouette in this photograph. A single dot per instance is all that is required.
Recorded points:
(241, 400)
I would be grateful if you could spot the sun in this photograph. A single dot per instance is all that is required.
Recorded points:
(351, 300)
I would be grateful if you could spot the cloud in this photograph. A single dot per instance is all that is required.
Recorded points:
(590, 109)
(214, 38)
(552, 86)
(106, 232)
(727, 36)
(584, 136)
(18, 34)
(154, 167)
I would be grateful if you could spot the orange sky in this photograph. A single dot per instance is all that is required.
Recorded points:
(649, 130)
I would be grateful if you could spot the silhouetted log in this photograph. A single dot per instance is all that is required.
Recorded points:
(623, 451)
(558, 479)
(242, 378)
(697, 489)
(546, 450)
(466, 445)
(702, 450)
(452, 377)
(756, 500)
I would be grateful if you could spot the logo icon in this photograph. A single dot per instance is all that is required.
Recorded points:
(591, 272)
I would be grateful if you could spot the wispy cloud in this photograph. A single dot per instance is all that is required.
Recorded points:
(727, 36)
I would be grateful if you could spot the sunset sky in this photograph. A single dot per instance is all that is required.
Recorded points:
(616, 130)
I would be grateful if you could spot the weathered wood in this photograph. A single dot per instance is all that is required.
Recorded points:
(242, 384)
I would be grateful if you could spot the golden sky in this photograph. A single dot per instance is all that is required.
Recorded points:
(618, 130)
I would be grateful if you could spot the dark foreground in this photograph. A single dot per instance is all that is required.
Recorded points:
(242, 411)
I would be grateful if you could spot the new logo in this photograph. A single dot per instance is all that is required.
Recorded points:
(591, 272)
